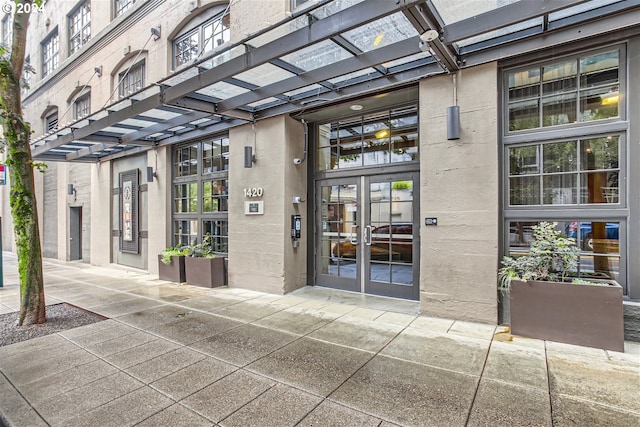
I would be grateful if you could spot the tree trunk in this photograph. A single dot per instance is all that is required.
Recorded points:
(22, 188)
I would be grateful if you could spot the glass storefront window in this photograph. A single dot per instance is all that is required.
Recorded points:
(215, 195)
(599, 244)
(201, 191)
(219, 232)
(186, 197)
(186, 161)
(565, 173)
(215, 155)
(371, 140)
(571, 91)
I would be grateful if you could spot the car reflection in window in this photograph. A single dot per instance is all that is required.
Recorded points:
(388, 243)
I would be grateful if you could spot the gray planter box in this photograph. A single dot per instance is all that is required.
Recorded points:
(205, 272)
(586, 315)
(173, 272)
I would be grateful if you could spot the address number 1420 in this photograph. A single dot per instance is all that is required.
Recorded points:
(253, 192)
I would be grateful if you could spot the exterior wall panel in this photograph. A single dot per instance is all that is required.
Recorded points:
(460, 187)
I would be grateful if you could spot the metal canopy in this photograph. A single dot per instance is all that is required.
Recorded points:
(328, 53)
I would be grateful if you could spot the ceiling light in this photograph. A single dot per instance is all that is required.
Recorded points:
(610, 98)
(356, 107)
(382, 133)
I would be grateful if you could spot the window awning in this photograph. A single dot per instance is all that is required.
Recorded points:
(331, 52)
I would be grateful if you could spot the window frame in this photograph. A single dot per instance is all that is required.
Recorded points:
(194, 154)
(580, 130)
(50, 63)
(82, 102)
(80, 16)
(127, 75)
(121, 6)
(219, 14)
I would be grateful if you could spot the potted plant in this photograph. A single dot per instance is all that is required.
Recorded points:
(546, 301)
(202, 266)
(171, 264)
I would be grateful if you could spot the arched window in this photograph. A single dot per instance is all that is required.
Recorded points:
(130, 74)
(204, 33)
(80, 102)
(50, 119)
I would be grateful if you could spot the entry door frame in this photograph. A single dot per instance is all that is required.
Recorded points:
(75, 233)
(362, 283)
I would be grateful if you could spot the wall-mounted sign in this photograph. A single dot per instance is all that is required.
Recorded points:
(254, 207)
(127, 232)
(431, 221)
(253, 192)
(3, 176)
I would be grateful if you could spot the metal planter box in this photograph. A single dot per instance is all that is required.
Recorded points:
(586, 315)
(205, 272)
(173, 272)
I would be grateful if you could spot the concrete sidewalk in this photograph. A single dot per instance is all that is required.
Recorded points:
(178, 355)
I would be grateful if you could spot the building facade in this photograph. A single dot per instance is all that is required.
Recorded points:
(388, 148)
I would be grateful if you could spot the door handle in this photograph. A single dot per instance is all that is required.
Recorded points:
(354, 235)
(367, 235)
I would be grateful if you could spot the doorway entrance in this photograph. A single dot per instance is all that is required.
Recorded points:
(367, 236)
(75, 233)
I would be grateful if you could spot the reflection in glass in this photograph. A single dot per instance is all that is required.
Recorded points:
(574, 90)
(560, 157)
(186, 197)
(219, 232)
(524, 160)
(599, 244)
(375, 139)
(339, 230)
(560, 189)
(524, 190)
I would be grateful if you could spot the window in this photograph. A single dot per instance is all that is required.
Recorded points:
(574, 172)
(570, 91)
(131, 81)
(201, 192)
(27, 72)
(82, 106)
(570, 165)
(7, 31)
(51, 122)
(79, 26)
(190, 45)
(50, 54)
(121, 6)
(375, 139)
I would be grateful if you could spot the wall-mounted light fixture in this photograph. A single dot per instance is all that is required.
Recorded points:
(249, 157)
(72, 191)
(151, 174)
(453, 122)
(155, 31)
(98, 70)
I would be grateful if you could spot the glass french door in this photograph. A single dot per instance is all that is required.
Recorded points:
(367, 236)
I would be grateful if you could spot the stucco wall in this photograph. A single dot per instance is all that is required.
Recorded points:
(459, 186)
(261, 254)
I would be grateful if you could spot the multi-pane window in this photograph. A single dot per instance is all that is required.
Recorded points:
(82, 106)
(79, 26)
(7, 31)
(203, 38)
(131, 81)
(122, 6)
(50, 53)
(201, 192)
(570, 91)
(569, 166)
(574, 172)
(51, 122)
(375, 139)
